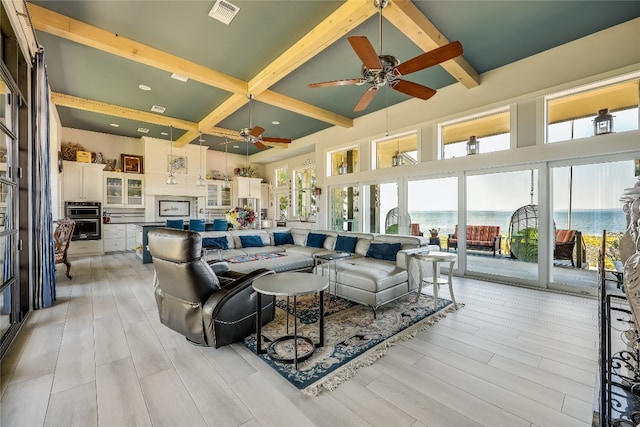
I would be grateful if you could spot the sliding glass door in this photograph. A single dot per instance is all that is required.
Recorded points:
(433, 208)
(586, 201)
(503, 225)
(382, 214)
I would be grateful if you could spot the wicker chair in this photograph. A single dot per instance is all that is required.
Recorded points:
(62, 238)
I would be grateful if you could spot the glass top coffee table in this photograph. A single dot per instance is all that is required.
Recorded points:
(290, 285)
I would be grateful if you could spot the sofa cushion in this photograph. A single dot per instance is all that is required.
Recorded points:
(215, 242)
(316, 240)
(251, 241)
(346, 244)
(282, 239)
(384, 251)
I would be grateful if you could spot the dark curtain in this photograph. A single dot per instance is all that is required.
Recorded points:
(43, 270)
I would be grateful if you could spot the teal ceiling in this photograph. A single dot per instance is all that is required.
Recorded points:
(493, 34)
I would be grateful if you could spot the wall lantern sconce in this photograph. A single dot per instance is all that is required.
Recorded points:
(473, 145)
(603, 123)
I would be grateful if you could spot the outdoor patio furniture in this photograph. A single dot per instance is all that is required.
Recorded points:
(565, 244)
(478, 237)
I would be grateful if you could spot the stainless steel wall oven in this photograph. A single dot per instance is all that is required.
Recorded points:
(88, 218)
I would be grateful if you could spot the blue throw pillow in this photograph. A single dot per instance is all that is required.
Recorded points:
(251, 241)
(282, 239)
(315, 240)
(346, 244)
(196, 224)
(175, 223)
(385, 251)
(215, 242)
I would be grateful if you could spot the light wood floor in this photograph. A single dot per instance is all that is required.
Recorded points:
(510, 357)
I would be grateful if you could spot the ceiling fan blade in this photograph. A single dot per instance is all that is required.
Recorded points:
(366, 98)
(260, 145)
(429, 59)
(365, 51)
(256, 131)
(413, 89)
(280, 140)
(336, 83)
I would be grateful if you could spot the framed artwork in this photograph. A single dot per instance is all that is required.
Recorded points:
(637, 166)
(131, 163)
(173, 208)
(179, 164)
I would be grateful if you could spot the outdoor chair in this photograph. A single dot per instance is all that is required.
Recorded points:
(62, 238)
(191, 298)
(565, 245)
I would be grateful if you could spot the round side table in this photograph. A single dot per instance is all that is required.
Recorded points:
(436, 257)
(289, 285)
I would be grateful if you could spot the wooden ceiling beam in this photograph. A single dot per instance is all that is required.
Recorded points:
(286, 103)
(192, 128)
(88, 35)
(347, 17)
(405, 16)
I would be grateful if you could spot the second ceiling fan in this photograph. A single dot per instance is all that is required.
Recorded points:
(254, 136)
(379, 70)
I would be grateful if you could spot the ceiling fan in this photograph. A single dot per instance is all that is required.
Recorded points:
(379, 70)
(254, 136)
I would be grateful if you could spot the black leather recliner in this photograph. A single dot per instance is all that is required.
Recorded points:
(191, 299)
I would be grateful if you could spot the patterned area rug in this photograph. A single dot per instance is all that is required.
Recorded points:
(256, 257)
(353, 338)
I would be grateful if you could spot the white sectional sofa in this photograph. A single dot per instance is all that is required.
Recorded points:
(379, 270)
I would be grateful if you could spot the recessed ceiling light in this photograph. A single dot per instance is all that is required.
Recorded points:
(115, 125)
(180, 77)
(275, 122)
(143, 130)
(164, 133)
(144, 87)
(158, 109)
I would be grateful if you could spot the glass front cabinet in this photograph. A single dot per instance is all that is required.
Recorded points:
(123, 190)
(217, 195)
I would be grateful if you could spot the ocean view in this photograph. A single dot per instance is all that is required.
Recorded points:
(589, 222)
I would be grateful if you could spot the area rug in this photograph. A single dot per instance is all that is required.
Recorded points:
(255, 257)
(353, 338)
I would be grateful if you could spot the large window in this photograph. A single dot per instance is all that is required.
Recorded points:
(433, 205)
(345, 208)
(282, 177)
(492, 131)
(395, 151)
(571, 114)
(304, 193)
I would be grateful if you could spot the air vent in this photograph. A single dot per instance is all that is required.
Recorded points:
(224, 11)
(158, 109)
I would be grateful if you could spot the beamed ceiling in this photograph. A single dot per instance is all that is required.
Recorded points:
(98, 52)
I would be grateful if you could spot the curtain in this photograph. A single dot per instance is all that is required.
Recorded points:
(43, 270)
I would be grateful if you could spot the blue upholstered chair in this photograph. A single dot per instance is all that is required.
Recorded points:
(196, 224)
(175, 223)
(219, 225)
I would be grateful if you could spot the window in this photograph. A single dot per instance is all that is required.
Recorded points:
(395, 150)
(570, 114)
(343, 161)
(304, 192)
(282, 177)
(492, 130)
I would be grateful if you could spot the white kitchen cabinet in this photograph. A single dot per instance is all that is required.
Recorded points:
(246, 187)
(123, 190)
(82, 181)
(120, 237)
(217, 195)
(131, 236)
(83, 248)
